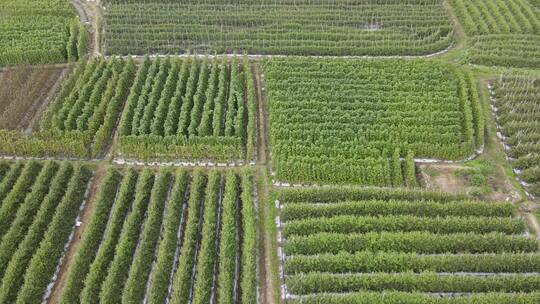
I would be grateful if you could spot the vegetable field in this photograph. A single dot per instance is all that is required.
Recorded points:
(307, 27)
(40, 31)
(352, 121)
(190, 109)
(39, 206)
(168, 238)
(81, 120)
(363, 246)
(515, 100)
(503, 33)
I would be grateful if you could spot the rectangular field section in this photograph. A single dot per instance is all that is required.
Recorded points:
(395, 246)
(39, 205)
(502, 32)
(516, 98)
(340, 120)
(288, 27)
(190, 108)
(40, 31)
(23, 94)
(168, 237)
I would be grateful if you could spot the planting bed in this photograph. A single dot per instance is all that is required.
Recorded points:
(350, 121)
(394, 246)
(168, 238)
(40, 31)
(505, 33)
(39, 205)
(23, 92)
(191, 108)
(307, 27)
(515, 99)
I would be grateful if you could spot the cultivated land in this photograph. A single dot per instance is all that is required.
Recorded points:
(40, 31)
(515, 100)
(350, 121)
(342, 27)
(128, 192)
(347, 246)
(501, 32)
(24, 93)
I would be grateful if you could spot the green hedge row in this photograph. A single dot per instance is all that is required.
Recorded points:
(207, 259)
(14, 263)
(368, 261)
(304, 284)
(161, 274)
(182, 278)
(113, 285)
(404, 223)
(419, 242)
(419, 208)
(105, 255)
(92, 238)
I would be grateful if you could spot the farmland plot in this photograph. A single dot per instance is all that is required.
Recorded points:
(83, 116)
(40, 31)
(352, 121)
(520, 51)
(394, 246)
(307, 27)
(501, 32)
(39, 206)
(516, 100)
(190, 109)
(22, 93)
(160, 237)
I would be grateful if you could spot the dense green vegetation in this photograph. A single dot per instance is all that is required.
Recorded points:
(350, 121)
(155, 236)
(515, 97)
(307, 27)
(82, 119)
(404, 248)
(502, 32)
(40, 31)
(38, 215)
(189, 109)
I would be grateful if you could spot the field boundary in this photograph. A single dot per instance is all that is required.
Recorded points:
(264, 56)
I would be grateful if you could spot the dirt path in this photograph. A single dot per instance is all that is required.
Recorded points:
(76, 241)
(88, 12)
(261, 119)
(266, 282)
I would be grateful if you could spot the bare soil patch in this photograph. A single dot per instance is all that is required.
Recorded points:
(23, 90)
(76, 241)
(460, 178)
(442, 177)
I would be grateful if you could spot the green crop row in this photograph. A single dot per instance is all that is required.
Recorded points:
(419, 242)
(367, 261)
(404, 223)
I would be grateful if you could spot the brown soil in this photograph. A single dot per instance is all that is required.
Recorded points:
(23, 93)
(443, 177)
(47, 98)
(76, 241)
